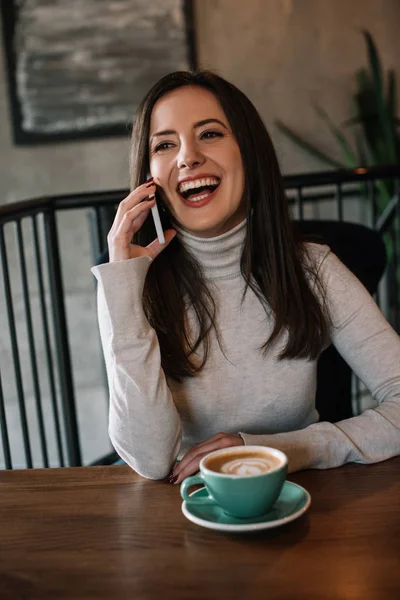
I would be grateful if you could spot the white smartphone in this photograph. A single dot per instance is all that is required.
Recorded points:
(157, 223)
(156, 219)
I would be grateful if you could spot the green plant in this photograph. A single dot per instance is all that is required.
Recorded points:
(375, 126)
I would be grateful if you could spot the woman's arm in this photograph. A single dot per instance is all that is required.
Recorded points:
(144, 424)
(372, 349)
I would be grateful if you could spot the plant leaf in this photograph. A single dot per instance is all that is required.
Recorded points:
(384, 195)
(391, 99)
(363, 159)
(309, 148)
(385, 120)
(366, 107)
(340, 138)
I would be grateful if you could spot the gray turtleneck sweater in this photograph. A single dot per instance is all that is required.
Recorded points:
(154, 420)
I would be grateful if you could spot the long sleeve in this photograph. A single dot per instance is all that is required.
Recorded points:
(372, 349)
(144, 424)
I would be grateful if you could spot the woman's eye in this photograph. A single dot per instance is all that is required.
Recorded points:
(162, 146)
(210, 134)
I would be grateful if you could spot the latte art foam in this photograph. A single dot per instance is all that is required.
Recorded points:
(248, 466)
(243, 463)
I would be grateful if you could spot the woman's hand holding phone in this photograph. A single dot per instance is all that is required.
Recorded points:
(131, 214)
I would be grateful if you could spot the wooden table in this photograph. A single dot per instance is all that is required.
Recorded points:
(106, 533)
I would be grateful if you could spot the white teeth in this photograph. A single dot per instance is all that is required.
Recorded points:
(198, 198)
(189, 185)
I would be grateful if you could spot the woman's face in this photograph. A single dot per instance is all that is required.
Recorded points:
(196, 160)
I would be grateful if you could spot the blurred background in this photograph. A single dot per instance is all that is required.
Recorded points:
(298, 61)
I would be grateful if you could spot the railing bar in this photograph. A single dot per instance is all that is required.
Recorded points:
(15, 351)
(46, 335)
(397, 196)
(4, 432)
(31, 344)
(397, 253)
(395, 235)
(372, 198)
(396, 298)
(371, 191)
(99, 230)
(322, 178)
(391, 281)
(317, 196)
(339, 200)
(61, 340)
(388, 214)
(300, 205)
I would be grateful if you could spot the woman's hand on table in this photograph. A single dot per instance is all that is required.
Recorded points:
(131, 214)
(190, 463)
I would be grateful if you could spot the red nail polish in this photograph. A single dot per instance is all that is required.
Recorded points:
(173, 480)
(150, 180)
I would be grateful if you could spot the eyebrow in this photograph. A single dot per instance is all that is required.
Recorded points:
(195, 126)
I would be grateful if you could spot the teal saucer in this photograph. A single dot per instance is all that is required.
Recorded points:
(292, 502)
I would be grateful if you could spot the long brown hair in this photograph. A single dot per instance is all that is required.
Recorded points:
(273, 262)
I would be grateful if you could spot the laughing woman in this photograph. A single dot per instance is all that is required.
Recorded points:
(212, 339)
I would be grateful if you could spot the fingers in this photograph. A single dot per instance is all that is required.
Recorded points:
(119, 240)
(203, 448)
(190, 469)
(131, 214)
(133, 199)
(138, 222)
(136, 196)
(190, 463)
(134, 218)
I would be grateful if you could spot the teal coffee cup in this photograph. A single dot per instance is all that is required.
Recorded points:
(245, 481)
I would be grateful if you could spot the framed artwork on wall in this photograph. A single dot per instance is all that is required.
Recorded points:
(78, 69)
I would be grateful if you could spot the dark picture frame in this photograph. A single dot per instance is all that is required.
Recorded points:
(160, 48)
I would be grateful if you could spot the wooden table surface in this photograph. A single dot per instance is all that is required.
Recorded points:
(106, 533)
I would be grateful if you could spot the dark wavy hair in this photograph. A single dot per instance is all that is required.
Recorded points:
(273, 263)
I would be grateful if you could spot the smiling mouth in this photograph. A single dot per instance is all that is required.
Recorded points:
(199, 193)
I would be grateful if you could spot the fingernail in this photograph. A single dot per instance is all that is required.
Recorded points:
(151, 196)
(150, 180)
(173, 479)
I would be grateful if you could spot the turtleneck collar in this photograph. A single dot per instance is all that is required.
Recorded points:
(218, 256)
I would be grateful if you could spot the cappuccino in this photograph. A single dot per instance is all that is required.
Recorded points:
(243, 464)
(244, 481)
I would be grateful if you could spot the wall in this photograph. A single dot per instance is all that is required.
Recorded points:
(284, 54)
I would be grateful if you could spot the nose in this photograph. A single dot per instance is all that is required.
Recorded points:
(189, 156)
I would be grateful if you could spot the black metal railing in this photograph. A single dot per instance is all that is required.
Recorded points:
(337, 188)
(330, 193)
